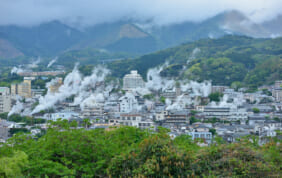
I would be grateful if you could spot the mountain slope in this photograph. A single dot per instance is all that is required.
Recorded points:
(225, 60)
(53, 38)
(7, 50)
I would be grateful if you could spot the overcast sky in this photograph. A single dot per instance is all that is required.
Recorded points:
(89, 12)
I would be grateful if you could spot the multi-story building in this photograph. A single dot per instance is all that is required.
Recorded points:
(23, 89)
(177, 117)
(278, 84)
(225, 113)
(277, 94)
(53, 88)
(133, 81)
(94, 111)
(128, 103)
(5, 99)
(219, 89)
(136, 120)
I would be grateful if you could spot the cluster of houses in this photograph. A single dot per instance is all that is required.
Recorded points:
(238, 114)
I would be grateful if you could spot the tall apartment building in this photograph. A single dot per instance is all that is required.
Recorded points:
(133, 80)
(23, 89)
(5, 99)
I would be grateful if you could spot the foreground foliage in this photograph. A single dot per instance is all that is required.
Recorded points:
(130, 152)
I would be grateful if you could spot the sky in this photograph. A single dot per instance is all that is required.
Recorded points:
(161, 12)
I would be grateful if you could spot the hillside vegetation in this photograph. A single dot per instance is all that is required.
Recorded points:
(253, 62)
(130, 152)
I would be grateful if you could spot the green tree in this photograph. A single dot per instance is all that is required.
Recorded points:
(13, 166)
(256, 110)
(215, 96)
(162, 99)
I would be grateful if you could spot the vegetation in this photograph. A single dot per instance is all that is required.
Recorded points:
(237, 60)
(215, 96)
(256, 110)
(130, 152)
(22, 119)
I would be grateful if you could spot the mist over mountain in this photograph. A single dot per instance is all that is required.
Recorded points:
(134, 37)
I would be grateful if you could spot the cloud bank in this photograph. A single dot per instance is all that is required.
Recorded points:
(162, 12)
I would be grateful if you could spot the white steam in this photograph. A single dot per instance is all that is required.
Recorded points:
(52, 62)
(74, 84)
(17, 70)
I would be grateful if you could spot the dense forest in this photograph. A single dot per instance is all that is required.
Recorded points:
(252, 62)
(67, 151)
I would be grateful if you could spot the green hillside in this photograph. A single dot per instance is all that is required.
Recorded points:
(229, 59)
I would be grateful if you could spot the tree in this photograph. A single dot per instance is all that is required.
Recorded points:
(213, 131)
(13, 166)
(162, 99)
(236, 85)
(215, 96)
(256, 110)
(87, 123)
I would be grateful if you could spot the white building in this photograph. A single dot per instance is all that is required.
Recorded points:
(5, 99)
(128, 103)
(136, 120)
(226, 113)
(62, 115)
(133, 81)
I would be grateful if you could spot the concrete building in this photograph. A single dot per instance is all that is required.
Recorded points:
(226, 113)
(136, 120)
(219, 89)
(62, 115)
(44, 73)
(5, 99)
(94, 111)
(128, 103)
(159, 116)
(277, 94)
(54, 88)
(132, 81)
(176, 118)
(23, 89)
(4, 129)
(206, 136)
(278, 84)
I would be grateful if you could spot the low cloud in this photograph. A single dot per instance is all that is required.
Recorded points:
(162, 12)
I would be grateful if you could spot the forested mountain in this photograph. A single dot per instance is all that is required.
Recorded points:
(252, 62)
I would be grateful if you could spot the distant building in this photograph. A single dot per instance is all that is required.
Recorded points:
(23, 89)
(278, 84)
(219, 89)
(136, 120)
(4, 129)
(62, 115)
(54, 88)
(277, 94)
(44, 73)
(96, 110)
(176, 118)
(128, 103)
(5, 99)
(132, 81)
(225, 113)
